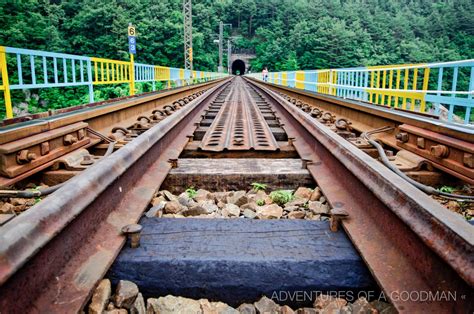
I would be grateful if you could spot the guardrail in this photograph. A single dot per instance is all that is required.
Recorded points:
(28, 69)
(442, 89)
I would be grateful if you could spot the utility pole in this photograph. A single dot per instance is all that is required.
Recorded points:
(188, 34)
(229, 52)
(220, 69)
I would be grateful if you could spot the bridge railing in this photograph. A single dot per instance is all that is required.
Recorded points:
(34, 69)
(444, 89)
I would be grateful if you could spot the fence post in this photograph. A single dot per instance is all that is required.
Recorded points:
(5, 82)
(91, 83)
(330, 83)
(132, 75)
(153, 78)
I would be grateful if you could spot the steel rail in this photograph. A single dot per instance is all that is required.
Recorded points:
(93, 113)
(376, 115)
(102, 117)
(365, 117)
(410, 243)
(53, 255)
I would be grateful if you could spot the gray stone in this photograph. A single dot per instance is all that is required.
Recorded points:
(296, 215)
(272, 211)
(247, 309)
(267, 306)
(216, 308)
(251, 205)
(209, 206)
(306, 310)
(259, 195)
(345, 310)
(285, 309)
(304, 193)
(138, 306)
(195, 211)
(156, 210)
(7, 208)
(168, 195)
(317, 217)
(152, 306)
(172, 216)
(318, 208)
(185, 200)
(290, 208)
(231, 210)
(125, 294)
(22, 201)
(157, 200)
(220, 196)
(248, 213)
(171, 304)
(239, 198)
(299, 202)
(173, 207)
(316, 195)
(361, 306)
(202, 195)
(322, 199)
(100, 298)
(329, 303)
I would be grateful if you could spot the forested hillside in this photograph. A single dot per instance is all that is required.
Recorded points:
(285, 34)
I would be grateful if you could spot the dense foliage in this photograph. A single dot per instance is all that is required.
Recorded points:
(285, 34)
(315, 34)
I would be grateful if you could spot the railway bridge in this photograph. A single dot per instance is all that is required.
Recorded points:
(210, 192)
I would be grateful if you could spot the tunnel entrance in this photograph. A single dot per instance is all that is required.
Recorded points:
(238, 67)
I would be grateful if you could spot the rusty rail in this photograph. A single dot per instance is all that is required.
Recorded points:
(52, 256)
(423, 136)
(409, 242)
(41, 141)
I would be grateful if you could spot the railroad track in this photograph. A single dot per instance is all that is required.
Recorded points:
(447, 148)
(56, 252)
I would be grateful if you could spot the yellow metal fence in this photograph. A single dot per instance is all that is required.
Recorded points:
(34, 69)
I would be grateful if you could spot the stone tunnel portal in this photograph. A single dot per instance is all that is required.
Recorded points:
(238, 67)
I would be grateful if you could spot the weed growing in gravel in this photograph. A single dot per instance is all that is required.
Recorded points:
(260, 202)
(281, 197)
(258, 186)
(446, 189)
(191, 192)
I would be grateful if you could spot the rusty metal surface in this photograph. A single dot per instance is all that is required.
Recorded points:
(239, 123)
(22, 155)
(410, 242)
(454, 154)
(367, 116)
(13, 129)
(364, 117)
(29, 147)
(53, 255)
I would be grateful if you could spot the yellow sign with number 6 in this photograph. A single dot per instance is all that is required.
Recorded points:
(131, 31)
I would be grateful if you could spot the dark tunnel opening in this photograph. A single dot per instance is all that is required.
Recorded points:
(238, 67)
